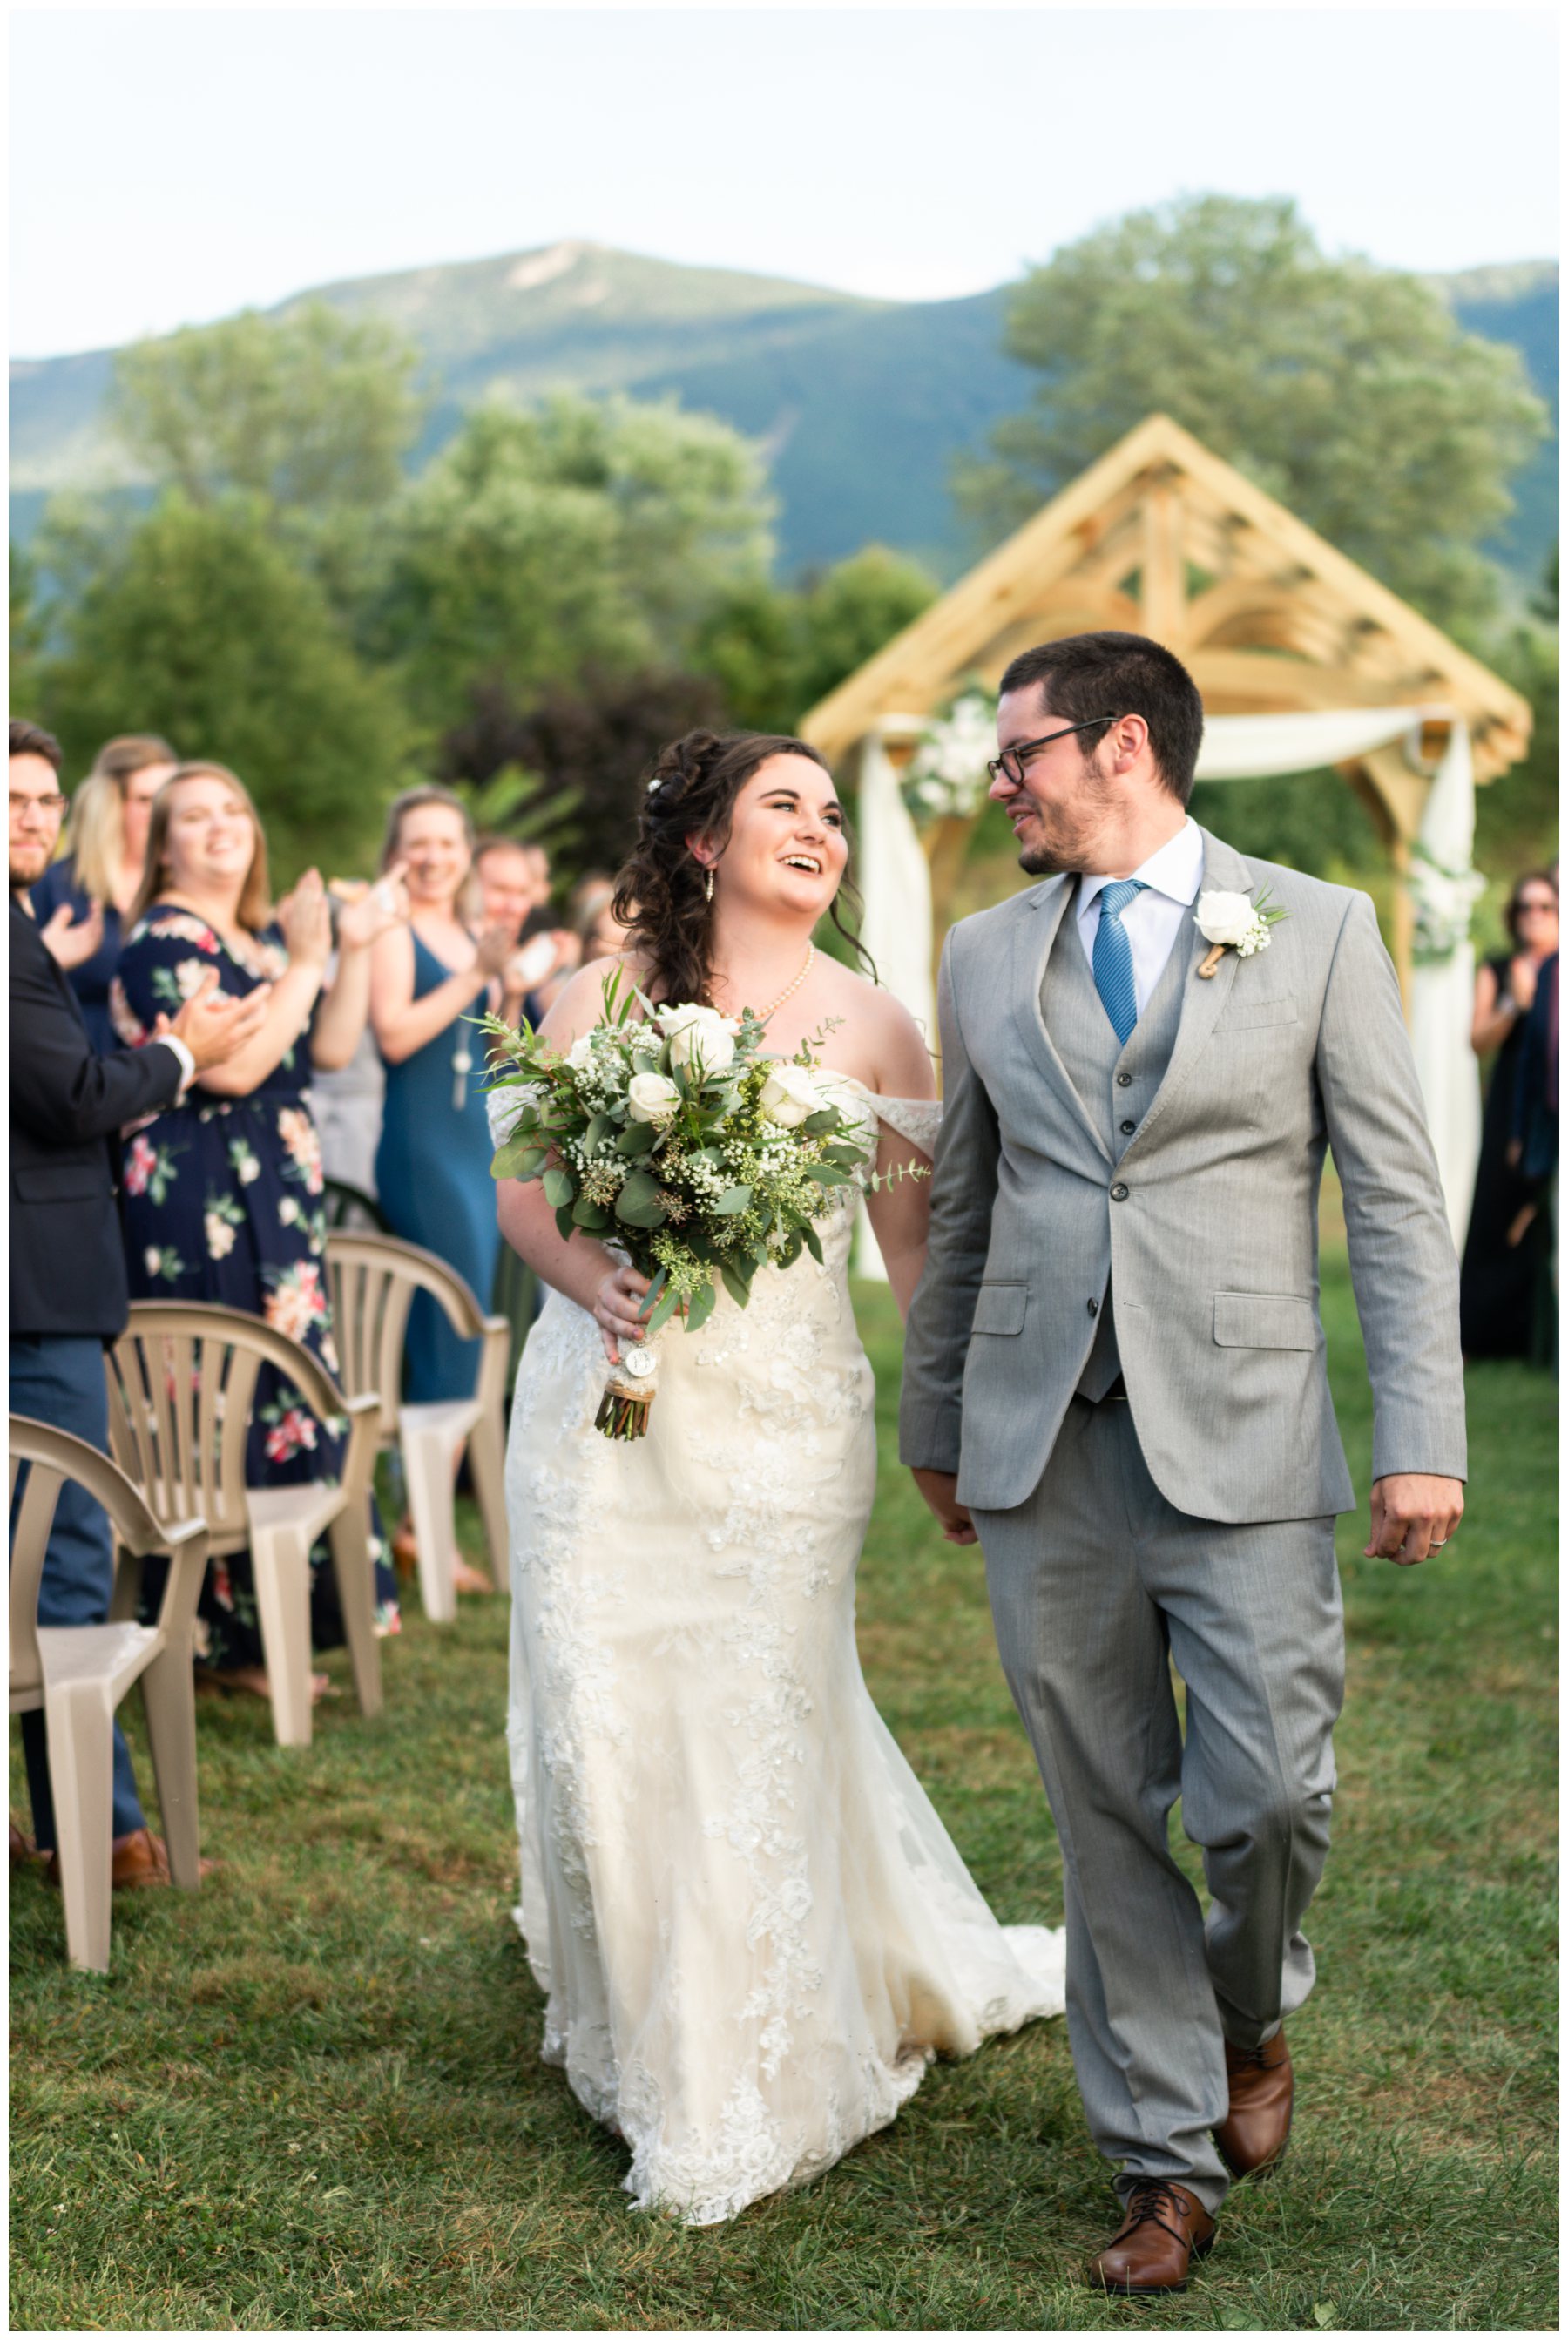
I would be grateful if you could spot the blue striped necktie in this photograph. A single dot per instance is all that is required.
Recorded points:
(1113, 957)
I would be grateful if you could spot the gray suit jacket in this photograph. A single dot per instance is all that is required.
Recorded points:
(1211, 1248)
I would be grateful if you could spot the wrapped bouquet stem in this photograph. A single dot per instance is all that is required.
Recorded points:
(669, 1134)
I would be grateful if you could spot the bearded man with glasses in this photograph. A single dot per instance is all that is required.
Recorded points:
(1114, 1376)
(69, 1296)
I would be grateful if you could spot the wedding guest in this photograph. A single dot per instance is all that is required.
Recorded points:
(68, 1288)
(431, 977)
(224, 1190)
(1533, 1153)
(1502, 1267)
(600, 934)
(82, 900)
(348, 1102)
(514, 892)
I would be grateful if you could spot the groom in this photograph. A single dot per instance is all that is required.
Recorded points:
(1114, 1372)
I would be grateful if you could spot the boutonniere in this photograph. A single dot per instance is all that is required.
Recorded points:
(1234, 922)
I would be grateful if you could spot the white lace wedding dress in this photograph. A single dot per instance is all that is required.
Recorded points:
(753, 1930)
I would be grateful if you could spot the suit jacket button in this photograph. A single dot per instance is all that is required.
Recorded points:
(1124, 1080)
(1128, 1127)
(1093, 1308)
(1119, 1194)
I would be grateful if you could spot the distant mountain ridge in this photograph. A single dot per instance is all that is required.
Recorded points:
(862, 404)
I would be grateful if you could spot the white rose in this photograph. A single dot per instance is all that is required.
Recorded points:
(1225, 919)
(579, 1056)
(699, 1032)
(860, 1121)
(789, 1095)
(652, 1096)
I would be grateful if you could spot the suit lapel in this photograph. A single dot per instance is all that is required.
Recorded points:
(1202, 998)
(1033, 934)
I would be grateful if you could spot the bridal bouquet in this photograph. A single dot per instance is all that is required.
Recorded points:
(671, 1134)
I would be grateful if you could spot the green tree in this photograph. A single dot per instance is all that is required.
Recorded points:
(201, 627)
(1347, 391)
(775, 651)
(306, 412)
(28, 632)
(542, 542)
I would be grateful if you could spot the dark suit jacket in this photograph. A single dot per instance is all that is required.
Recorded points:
(68, 1106)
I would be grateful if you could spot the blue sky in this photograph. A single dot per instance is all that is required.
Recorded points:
(172, 166)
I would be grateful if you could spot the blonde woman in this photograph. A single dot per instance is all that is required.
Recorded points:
(223, 1192)
(81, 900)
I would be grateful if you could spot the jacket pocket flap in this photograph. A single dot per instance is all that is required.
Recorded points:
(1250, 1015)
(1000, 1308)
(1264, 1320)
(60, 1182)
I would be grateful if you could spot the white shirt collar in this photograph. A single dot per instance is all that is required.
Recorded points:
(1175, 870)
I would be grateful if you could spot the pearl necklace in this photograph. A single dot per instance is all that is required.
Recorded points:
(789, 993)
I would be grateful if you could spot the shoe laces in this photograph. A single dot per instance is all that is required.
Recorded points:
(1148, 2197)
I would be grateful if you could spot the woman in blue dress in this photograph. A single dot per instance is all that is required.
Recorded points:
(81, 901)
(429, 979)
(223, 1192)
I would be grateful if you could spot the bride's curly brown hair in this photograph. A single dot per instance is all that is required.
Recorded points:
(659, 893)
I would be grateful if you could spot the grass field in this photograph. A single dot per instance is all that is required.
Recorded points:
(312, 2096)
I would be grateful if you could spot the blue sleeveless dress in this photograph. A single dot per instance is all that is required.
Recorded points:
(435, 1186)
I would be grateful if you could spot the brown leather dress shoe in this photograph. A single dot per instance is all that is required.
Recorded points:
(138, 1859)
(23, 1849)
(1252, 2136)
(1164, 2229)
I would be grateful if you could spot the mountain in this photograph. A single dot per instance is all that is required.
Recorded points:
(862, 404)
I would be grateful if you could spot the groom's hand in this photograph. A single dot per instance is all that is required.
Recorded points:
(940, 1490)
(1413, 1514)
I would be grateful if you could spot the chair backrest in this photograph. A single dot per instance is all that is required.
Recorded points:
(50, 1457)
(181, 1389)
(373, 1279)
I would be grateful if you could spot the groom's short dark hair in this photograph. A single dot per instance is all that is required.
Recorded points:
(1085, 675)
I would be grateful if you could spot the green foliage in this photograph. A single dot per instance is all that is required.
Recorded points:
(1349, 392)
(775, 652)
(28, 632)
(312, 2096)
(307, 412)
(1517, 817)
(201, 627)
(581, 532)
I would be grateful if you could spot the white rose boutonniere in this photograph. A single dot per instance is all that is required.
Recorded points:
(652, 1096)
(1234, 922)
(789, 1095)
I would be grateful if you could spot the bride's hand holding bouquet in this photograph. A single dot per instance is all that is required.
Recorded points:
(668, 1133)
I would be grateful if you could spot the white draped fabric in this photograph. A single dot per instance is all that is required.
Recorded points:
(897, 884)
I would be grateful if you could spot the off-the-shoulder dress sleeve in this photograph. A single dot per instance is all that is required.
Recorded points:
(916, 1118)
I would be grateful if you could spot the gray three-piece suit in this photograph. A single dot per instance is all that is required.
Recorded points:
(1116, 1346)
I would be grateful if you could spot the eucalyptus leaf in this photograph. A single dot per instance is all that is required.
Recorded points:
(702, 1305)
(664, 1312)
(590, 1216)
(732, 1202)
(563, 1223)
(735, 1284)
(559, 1187)
(812, 1241)
(826, 1174)
(637, 1204)
(637, 1137)
(816, 1125)
(517, 1158)
(597, 1131)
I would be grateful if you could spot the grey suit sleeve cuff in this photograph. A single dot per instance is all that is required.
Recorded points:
(928, 1438)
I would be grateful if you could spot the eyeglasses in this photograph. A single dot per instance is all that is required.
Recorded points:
(1010, 762)
(21, 806)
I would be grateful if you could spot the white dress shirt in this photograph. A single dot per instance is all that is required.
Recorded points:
(1153, 919)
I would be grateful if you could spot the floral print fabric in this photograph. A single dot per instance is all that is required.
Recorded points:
(222, 1200)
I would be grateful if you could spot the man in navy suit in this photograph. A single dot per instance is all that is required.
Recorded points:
(68, 1288)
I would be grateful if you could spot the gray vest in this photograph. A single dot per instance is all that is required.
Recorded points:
(1117, 1085)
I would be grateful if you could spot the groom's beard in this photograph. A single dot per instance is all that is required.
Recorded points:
(1068, 837)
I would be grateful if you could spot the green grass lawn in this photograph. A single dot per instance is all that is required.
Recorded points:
(312, 2096)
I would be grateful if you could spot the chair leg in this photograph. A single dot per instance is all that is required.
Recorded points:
(427, 1462)
(281, 1561)
(487, 1468)
(355, 1576)
(168, 1701)
(80, 1722)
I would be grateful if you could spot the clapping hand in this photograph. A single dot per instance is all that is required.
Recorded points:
(215, 1025)
(70, 940)
(307, 921)
(495, 947)
(367, 912)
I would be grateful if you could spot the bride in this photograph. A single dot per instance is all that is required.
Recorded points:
(753, 1930)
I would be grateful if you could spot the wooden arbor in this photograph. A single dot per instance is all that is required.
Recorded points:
(1162, 538)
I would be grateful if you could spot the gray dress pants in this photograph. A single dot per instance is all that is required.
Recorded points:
(1097, 1585)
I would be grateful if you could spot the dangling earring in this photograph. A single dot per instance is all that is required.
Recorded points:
(707, 886)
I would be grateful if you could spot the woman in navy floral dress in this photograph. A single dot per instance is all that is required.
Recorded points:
(223, 1193)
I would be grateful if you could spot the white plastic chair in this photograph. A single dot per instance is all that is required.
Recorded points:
(181, 1388)
(78, 1674)
(373, 1279)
